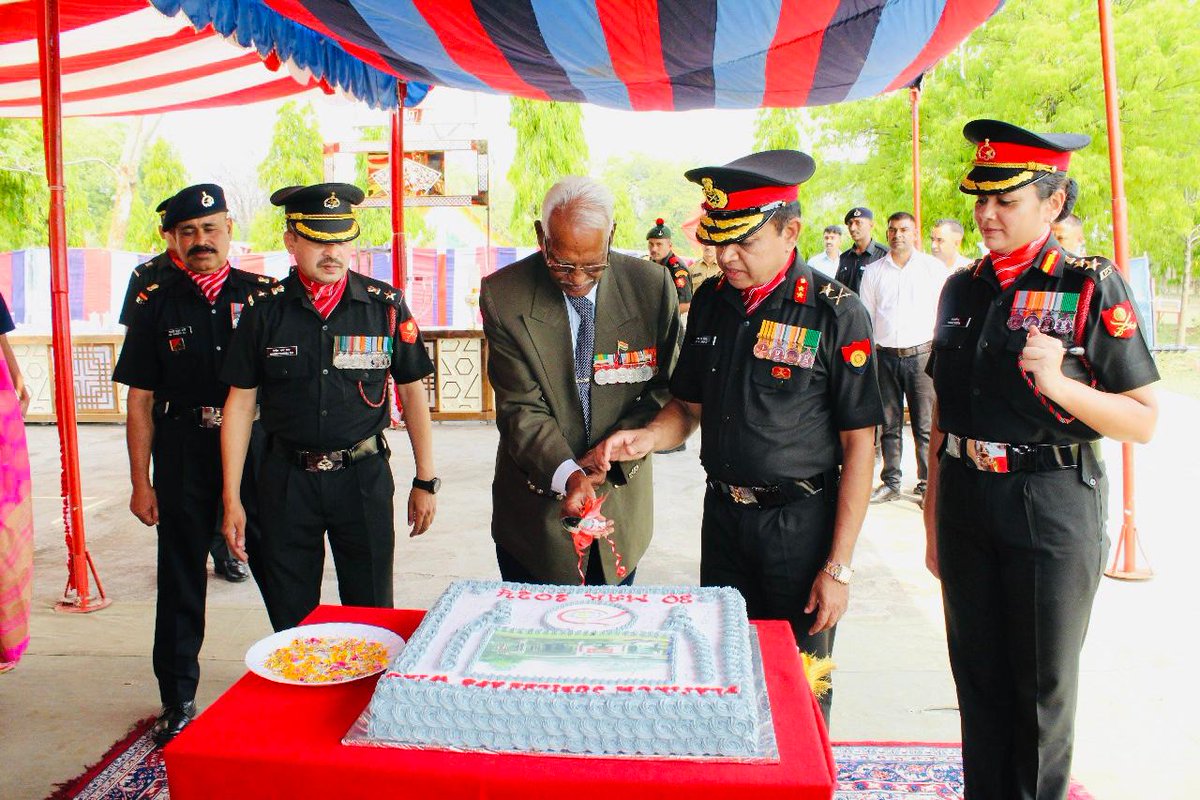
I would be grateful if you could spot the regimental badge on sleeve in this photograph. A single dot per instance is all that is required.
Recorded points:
(857, 355)
(408, 331)
(1119, 320)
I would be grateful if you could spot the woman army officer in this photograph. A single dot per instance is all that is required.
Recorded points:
(1036, 356)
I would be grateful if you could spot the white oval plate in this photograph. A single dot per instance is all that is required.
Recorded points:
(256, 656)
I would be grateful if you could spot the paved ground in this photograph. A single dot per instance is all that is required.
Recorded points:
(86, 678)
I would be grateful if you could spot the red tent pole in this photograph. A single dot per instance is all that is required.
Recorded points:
(914, 94)
(397, 165)
(1125, 554)
(77, 596)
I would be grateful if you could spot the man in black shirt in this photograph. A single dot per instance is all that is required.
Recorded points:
(859, 221)
(318, 355)
(179, 328)
(660, 251)
(777, 369)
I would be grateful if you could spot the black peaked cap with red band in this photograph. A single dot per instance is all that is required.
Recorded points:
(323, 212)
(739, 197)
(193, 202)
(1008, 157)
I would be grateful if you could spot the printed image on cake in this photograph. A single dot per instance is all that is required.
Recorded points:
(602, 670)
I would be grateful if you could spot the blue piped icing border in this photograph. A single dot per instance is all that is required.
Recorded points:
(679, 619)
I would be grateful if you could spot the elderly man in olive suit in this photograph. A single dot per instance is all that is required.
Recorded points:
(581, 343)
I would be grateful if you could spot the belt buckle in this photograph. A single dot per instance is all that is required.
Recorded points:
(325, 463)
(742, 495)
(211, 417)
(988, 456)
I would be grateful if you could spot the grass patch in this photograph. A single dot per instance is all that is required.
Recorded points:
(1180, 372)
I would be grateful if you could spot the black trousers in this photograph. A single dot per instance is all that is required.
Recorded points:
(902, 379)
(1020, 556)
(772, 556)
(514, 571)
(187, 484)
(354, 506)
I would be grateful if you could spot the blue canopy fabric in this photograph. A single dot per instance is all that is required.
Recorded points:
(629, 54)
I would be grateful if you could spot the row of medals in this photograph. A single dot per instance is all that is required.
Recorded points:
(1060, 322)
(362, 360)
(784, 355)
(624, 374)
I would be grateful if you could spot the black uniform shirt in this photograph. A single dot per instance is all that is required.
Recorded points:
(852, 263)
(981, 392)
(177, 342)
(765, 421)
(144, 275)
(679, 276)
(309, 398)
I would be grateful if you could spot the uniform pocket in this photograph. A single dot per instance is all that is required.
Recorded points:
(286, 368)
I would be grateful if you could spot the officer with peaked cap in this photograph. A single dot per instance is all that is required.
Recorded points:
(659, 249)
(319, 355)
(180, 322)
(777, 369)
(1036, 356)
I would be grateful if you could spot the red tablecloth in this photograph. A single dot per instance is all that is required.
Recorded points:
(270, 740)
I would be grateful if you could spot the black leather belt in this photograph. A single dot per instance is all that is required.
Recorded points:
(331, 460)
(770, 496)
(905, 352)
(1001, 457)
(204, 416)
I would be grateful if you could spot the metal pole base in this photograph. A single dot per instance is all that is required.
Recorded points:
(74, 606)
(1136, 575)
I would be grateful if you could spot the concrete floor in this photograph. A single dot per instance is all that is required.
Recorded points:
(87, 678)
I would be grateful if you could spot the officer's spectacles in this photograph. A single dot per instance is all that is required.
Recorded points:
(566, 270)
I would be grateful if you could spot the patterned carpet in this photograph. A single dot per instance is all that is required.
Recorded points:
(133, 770)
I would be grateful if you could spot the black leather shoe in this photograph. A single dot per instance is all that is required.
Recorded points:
(884, 494)
(232, 570)
(171, 722)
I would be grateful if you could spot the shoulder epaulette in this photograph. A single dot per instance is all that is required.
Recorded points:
(384, 293)
(1096, 267)
(145, 293)
(832, 292)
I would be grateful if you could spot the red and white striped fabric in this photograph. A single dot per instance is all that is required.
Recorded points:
(125, 57)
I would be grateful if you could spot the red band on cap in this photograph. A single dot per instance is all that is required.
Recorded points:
(988, 152)
(754, 198)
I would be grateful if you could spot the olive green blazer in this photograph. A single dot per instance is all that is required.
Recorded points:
(531, 365)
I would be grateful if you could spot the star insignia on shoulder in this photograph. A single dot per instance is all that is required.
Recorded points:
(389, 295)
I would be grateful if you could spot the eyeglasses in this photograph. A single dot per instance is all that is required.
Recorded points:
(566, 270)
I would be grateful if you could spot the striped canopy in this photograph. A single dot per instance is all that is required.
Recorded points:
(126, 57)
(629, 54)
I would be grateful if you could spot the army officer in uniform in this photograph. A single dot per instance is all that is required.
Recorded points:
(1017, 493)
(318, 354)
(778, 370)
(179, 329)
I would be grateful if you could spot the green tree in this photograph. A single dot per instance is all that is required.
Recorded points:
(649, 188)
(160, 175)
(777, 129)
(23, 193)
(550, 145)
(295, 158)
(1053, 84)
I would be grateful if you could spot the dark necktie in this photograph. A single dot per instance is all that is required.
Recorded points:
(585, 348)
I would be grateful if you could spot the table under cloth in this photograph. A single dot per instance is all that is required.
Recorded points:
(263, 739)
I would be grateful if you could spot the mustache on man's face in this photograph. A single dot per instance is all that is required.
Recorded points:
(331, 262)
(201, 248)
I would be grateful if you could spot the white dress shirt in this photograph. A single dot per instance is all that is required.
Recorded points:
(902, 301)
(825, 265)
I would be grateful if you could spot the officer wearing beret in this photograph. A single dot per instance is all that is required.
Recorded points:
(777, 369)
(146, 274)
(658, 245)
(1037, 354)
(179, 328)
(318, 354)
(864, 250)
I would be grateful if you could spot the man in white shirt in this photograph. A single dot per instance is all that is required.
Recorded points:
(826, 262)
(945, 240)
(901, 293)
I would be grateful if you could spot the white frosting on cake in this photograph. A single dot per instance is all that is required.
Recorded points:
(603, 670)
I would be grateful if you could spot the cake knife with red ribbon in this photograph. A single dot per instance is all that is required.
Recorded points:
(585, 529)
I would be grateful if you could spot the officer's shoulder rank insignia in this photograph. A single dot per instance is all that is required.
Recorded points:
(374, 290)
(857, 355)
(1120, 320)
(144, 294)
(267, 279)
(834, 294)
(278, 289)
(409, 331)
(800, 291)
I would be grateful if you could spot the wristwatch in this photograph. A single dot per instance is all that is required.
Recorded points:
(839, 572)
(430, 486)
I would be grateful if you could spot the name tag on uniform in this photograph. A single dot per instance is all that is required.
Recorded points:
(958, 322)
(705, 341)
(282, 352)
(184, 331)
(362, 352)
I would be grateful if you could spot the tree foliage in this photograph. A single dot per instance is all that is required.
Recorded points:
(295, 158)
(646, 189)
(777, 129)
(160, 175)
(550, 146)
(1043, 82)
